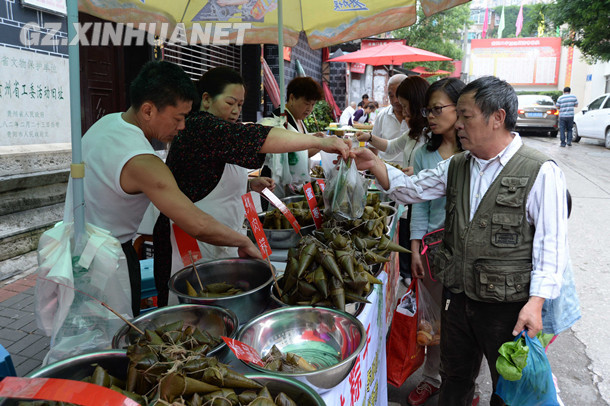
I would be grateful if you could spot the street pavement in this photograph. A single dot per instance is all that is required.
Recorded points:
(579, 357)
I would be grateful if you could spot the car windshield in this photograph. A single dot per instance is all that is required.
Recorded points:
(535, 100)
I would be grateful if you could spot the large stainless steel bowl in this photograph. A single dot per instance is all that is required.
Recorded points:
(390, 212)
(302, 394)
(251, 275)
(217, 321)
(328, 338)
(116, 363)
(81, 366)
(285, 238)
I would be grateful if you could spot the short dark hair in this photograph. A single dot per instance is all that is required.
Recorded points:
(365, 96)
(492, 94)
(371, 105)
(452, 87)
(304, 87)
(162, 83)
(215, 80)
(413, 89)
(567, 89)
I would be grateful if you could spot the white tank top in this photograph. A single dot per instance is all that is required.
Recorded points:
(107, 146)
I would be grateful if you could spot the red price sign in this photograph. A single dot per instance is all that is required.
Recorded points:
(62, 390)
(256, 226)
(321, 184)
(243, 351)
(282, 207)
(313, 205)
(187, 246)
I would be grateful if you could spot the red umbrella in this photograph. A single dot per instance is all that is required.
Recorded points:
(393, 53)
(331, 101)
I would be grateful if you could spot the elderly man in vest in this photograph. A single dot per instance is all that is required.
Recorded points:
(505, 247)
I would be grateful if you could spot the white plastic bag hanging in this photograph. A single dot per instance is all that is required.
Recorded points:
(76, 322)
(345, 192)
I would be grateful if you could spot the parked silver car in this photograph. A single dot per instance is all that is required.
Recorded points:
(537, 113)
(593, 121)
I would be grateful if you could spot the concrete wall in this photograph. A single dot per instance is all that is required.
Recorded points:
(33, 178)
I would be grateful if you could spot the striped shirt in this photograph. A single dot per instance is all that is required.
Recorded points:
(565, 104)
(546, 209)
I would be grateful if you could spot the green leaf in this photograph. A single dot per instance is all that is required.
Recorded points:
(512, 359)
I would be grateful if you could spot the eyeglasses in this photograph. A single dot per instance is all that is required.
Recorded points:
(437, 110)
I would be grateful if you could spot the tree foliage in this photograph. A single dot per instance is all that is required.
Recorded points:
(534, 16)
(587, 22)
(440, 33)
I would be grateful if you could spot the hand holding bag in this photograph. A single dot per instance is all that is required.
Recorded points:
(535, 386)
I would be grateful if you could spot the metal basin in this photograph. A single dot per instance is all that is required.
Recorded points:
(116, 363)
(251, 275)
(302, 394)
(215, 320)
(391, 212)
(284, 238)
(336, 340)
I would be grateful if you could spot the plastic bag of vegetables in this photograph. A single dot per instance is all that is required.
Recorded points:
(525, 373)
(345, 192)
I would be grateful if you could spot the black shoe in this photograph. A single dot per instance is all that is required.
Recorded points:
(569, 145)
(562, 145)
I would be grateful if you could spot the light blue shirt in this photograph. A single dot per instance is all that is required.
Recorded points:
(430, 215)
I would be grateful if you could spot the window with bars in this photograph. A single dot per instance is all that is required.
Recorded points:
(197, 59)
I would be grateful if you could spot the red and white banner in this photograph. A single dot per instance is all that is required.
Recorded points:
(519, 61)
(255, 225)
(313, 205)
(187, 246)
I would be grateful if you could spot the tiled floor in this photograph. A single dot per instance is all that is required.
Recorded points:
(19, 334)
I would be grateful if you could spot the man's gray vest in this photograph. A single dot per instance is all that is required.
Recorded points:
(490, 257)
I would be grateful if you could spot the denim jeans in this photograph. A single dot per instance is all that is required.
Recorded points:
(565, 125)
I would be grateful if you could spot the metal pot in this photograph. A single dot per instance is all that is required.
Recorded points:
(251, 275)
(116, 363)
(285, 238)
(215, 320)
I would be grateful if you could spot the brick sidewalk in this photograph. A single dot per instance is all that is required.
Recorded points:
(19, 334)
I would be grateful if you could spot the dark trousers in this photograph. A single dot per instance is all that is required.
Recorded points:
(471, 330)
(135, 277)
(404, 239)
(565, 125)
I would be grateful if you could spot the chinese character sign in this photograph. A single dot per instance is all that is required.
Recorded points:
(255, 225)
(313, 205)
(34, 94)
(243, 351)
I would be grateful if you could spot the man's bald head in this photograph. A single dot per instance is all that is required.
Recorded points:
(396, 80)
(393, 84)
